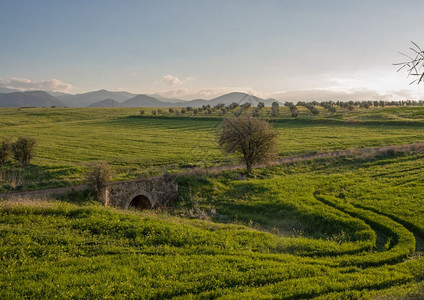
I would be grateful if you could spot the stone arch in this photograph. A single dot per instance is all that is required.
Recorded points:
(140, 200)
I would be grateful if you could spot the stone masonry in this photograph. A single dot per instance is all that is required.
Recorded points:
(158, 190)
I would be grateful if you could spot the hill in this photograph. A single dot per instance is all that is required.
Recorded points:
(86, 99)
(144, 101)
(7, 90)
(31, 98)
(227, 99)
(106, 103)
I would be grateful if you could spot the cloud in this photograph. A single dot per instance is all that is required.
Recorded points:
(357, 94)
(171, 80)
(52, 85)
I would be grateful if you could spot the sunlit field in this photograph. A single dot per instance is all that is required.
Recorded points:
(339, 229)
(141, 145)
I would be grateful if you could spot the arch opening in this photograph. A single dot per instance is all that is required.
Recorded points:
(140, 202)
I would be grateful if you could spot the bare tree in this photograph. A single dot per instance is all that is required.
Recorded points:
(253, 138)
(415, 64)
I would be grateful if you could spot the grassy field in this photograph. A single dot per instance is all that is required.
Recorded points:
(141, 145)
(329, 229)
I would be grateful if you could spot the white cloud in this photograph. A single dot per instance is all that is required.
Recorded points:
(52, 85)
(171, 80)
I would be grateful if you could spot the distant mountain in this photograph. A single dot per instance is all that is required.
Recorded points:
(104, 98)
(56, 94)
(32, 98)
(192, 103)
(93, 97)
(106, 103)
(7, 90)
(145, 101)
(166, 99)
(227, 99)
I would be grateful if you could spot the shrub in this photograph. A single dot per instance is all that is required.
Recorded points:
(5, 148)
(98, 176)
(23, 150)
(142, 112)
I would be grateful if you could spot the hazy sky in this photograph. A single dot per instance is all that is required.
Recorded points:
(204, 48)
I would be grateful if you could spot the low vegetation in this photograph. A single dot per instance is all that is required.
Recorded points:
(326, 229)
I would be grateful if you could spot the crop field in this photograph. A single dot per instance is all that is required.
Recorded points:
(328, 229)
(141, 145)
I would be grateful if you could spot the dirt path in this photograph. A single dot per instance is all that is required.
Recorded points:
(358, 152)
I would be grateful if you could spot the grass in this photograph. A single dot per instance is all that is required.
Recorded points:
(328, 229)
(69, 138)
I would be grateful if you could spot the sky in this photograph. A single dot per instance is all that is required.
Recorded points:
(202, 49)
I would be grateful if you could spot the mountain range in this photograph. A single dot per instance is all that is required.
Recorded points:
(104, 98)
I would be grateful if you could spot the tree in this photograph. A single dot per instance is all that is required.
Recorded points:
(23, 150)
(5, 148)
(415, 64)
(98, 176)
(253, 138)
(275, 109)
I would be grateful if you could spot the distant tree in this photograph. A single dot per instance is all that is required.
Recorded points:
(238, 112)
(261, 105)
(275, 109)
(23, 150)
(171, 110)
(142, 112)
(98, 176)
(5, 149)
(294, 113)
(159, 111)
(154, 112)
(246, 105)
(253, 138)
(415, 64)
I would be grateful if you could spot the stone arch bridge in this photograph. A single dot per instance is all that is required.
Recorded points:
(141, 193)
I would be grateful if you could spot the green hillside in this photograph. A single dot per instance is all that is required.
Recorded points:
(136, 145)
(340, 229)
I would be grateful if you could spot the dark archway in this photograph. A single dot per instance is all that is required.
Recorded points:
(140, 202)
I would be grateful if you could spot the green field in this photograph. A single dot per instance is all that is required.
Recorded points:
(141, 145)
(340, 229)
(334, 228)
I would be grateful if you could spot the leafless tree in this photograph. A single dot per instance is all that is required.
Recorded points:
(415, 64)
(253, 138)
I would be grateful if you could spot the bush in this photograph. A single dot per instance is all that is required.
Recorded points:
(23, 150)
(142, 112)
(5, 148)
(98, 176)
